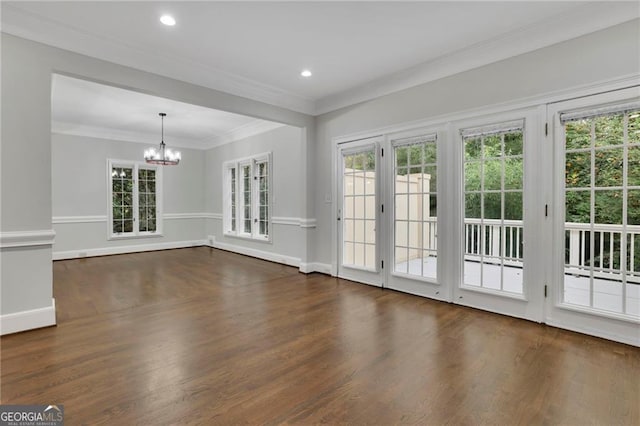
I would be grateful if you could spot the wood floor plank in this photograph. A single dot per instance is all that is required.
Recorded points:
(203, 336)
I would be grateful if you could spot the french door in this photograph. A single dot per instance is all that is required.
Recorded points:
(387, 212)
(414, 161)
(449, 212)
(358, 213)
(596, 233)
(502, 214)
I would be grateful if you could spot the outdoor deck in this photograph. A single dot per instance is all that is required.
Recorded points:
(607, 294)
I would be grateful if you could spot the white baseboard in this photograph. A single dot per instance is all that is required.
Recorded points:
(308, 268)
(104, 251)
(629, 340)
(28, 320)
(260, 254)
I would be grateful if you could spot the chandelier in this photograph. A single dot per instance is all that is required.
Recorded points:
(164, 155)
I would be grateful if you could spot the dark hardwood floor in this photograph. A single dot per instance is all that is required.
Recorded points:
(202, 336)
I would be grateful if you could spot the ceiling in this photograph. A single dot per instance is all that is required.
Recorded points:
(84, 108)
(356, 50)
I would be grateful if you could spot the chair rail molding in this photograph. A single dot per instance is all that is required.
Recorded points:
(78, 219)
(171, 216)
(279, 220)
(294, 221)
(103, 218)
(308, 223)
(44, 237)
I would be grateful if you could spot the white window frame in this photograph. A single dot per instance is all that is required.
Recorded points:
(559, 312)
(136, 233)
(238, 164)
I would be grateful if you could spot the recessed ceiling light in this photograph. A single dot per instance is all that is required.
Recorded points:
(306, 73)
(168, 20)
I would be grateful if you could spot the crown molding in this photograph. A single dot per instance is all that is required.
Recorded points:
(589, 18)
(45, 30)
(109, 133)
(252, 128)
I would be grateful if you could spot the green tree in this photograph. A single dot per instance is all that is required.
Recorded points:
(605, 135)
(487, 161)
(603, 139)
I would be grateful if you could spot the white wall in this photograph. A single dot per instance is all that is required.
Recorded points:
(80, 205)
(594, 58)
(26, 297)
(192, 196)
(287, 193)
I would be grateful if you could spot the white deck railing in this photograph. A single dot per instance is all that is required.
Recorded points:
(610, 251)
(492, 239)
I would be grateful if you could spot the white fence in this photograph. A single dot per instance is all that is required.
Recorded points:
(608, 253)
(493, 239)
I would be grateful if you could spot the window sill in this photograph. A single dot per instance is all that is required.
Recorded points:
(135, 237)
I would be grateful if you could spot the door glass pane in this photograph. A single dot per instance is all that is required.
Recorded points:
(602, 214)
(415, 207)
(493, 172)
(359, 210)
